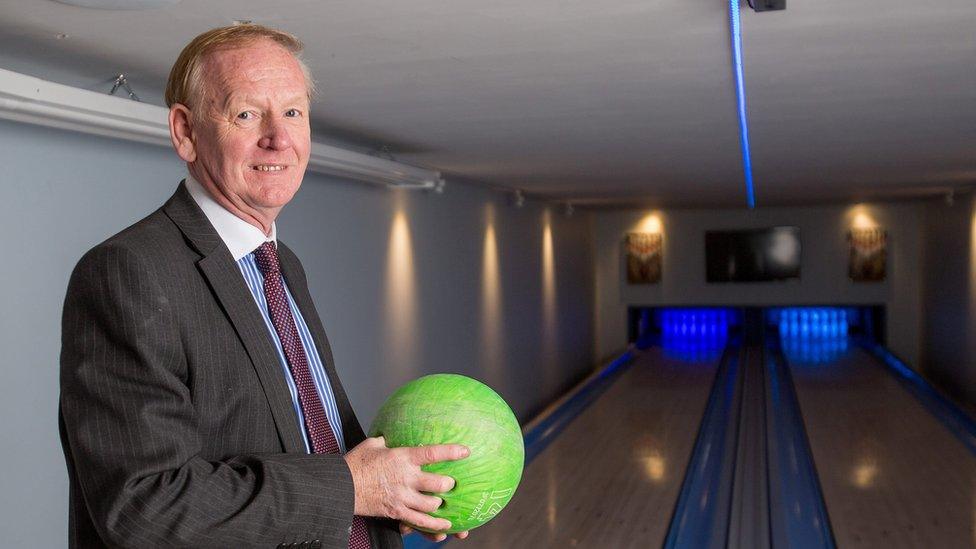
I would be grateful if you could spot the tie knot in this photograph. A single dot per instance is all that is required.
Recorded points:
(266, 256)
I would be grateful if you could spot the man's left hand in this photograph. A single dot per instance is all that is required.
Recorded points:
(404, 529)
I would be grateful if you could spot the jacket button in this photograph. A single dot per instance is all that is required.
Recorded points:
(316, 544)
(304, 545)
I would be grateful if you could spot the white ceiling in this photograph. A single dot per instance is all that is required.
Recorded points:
(600, 102)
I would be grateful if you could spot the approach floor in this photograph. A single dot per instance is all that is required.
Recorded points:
(891, 474)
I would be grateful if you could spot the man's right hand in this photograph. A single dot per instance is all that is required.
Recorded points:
(389, 482)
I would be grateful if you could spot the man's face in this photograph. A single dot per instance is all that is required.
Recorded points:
(251, 136)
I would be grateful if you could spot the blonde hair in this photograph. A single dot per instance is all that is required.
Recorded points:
(185, 78)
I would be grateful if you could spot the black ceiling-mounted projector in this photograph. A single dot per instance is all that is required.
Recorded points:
(767, 5)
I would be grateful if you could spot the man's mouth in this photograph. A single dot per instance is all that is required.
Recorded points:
(269, 167)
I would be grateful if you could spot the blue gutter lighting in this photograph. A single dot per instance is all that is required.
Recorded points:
(956, 420)
(546, 430)
(702, 512)
(740, 94)
(797, 512)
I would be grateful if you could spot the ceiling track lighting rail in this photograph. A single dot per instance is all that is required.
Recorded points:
(35, 101)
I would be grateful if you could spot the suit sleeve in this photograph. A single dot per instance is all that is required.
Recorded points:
(132, 437)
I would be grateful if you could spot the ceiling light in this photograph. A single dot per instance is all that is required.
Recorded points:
(121, 4)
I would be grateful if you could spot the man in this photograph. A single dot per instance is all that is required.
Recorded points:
(199, 401)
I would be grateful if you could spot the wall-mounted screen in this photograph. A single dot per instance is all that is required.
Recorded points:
(754, 255)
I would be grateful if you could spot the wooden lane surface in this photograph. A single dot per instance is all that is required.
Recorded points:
(892, 475)
(612, 477)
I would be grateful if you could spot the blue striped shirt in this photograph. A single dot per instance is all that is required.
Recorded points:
(255, 281)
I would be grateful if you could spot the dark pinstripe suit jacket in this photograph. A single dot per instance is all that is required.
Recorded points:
(176, 422)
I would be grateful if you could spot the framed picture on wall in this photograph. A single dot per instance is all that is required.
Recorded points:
(644, 258)
(869, 250)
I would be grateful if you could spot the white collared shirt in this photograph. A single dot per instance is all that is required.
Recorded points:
(240, 236)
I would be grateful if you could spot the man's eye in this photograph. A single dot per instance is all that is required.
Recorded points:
(293, 113)
(246, 115)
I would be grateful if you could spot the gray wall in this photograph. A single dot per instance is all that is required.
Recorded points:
(950, 297)
(64, 192)
(823, 233)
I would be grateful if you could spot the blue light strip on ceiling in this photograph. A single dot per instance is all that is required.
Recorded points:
(740, 95)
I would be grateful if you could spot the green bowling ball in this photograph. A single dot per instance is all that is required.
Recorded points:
(454, 409)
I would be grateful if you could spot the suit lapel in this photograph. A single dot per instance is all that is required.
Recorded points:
(224, 277)
(294, 275)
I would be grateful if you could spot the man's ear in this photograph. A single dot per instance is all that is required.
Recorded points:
(181, 132)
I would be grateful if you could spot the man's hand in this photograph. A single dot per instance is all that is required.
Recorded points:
(389, 482)
(405, 529)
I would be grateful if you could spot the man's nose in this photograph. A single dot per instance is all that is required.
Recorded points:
(274, 135)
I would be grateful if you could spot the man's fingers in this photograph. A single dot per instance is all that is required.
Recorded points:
(405, 529)
(435, 537)
(423, 520)
(461, 535)
(437, 484)
(424, 503)
(424, 455)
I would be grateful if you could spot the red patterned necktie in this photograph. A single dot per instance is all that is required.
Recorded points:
(319, 431)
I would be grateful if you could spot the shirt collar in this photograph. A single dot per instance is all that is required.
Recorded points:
(240, 237)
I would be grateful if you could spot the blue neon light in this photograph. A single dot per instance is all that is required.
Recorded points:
(740, 95)
(694, 334)
(695, 323)
(813, 335)
(812, 322)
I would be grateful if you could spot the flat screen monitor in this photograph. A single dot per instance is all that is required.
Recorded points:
(753, 255)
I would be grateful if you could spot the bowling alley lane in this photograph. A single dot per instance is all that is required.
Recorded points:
(612, 477)
(891, 473)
